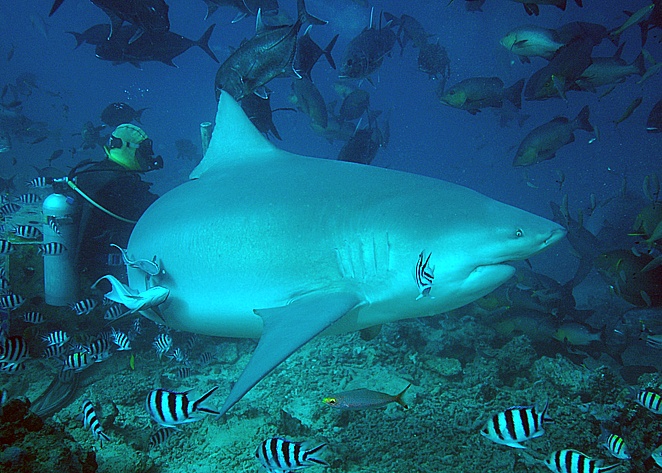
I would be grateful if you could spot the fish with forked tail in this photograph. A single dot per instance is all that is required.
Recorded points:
(364, 399)
(365, 53)
(270, 53)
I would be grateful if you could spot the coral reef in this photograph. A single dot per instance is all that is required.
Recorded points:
(32, 445)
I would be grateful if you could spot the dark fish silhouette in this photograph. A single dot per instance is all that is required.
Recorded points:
(365, 53)
(531, 6)
(265, 56)
(244, 7)
(91, 135)
(308, 53)
(433, 60)
(146, 15)
(119, 112)
(543, 142)
(562, 71)
(259, 112)
(163, 47)
(654, 122)
(476, 93)
(354, 105)
(94, 35)
(409, 29)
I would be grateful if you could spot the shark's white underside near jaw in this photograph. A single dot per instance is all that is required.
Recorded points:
(265, 243)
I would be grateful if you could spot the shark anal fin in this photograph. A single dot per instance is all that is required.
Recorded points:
(286, 329)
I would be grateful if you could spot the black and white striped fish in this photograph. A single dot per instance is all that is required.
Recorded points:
(9, 208)
(279, 455)
(206, 358)
(424, 275)
(53, 248)
(6, 247)
(91, 421)
(39, 182)
(162, 344)
(28, 198)
(33, 317)
(179, 356)
(11, 301)
(516, 425)
(137, 327)
(114, 312)
(14, 350)
(78, 361)
(572, 461)
(84, 307)
(170, 409)
(58, 338)
(121, 340)
(54, 351)
(5, 287)
(191, 342)
(650, 400)
(11, 368)
(183, 372)
(54, 225)
(99, 349)
(160, 436)
(614, 444)
(29, 232)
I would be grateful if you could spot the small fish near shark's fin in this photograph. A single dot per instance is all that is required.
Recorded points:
(286, 329)
(133, 300)
(235, 139)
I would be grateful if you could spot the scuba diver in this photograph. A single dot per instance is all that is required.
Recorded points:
(116, 197)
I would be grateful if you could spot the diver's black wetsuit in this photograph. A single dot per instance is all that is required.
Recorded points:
(123, 193)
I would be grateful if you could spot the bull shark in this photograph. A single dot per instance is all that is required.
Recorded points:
(264, 243)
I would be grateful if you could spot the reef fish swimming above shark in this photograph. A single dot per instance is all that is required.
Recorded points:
(265, 243)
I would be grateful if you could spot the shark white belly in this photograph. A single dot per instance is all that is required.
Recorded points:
(266, 243)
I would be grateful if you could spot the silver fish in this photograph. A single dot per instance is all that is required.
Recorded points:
(150, 267)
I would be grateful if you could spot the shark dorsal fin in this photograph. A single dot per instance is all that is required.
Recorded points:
(234, 139)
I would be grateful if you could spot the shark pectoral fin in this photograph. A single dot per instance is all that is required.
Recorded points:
(285, 330)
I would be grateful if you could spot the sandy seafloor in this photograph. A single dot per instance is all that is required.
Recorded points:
(459, 379)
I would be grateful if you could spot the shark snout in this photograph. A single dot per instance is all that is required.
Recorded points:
(555, 235)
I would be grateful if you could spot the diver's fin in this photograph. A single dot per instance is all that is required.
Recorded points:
(286, 329)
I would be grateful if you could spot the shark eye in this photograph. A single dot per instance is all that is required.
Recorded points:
(519, 233)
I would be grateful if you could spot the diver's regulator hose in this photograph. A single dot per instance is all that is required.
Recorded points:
(77, 189)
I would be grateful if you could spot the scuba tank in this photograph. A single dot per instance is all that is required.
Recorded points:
(60, 275)
(206, 129)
